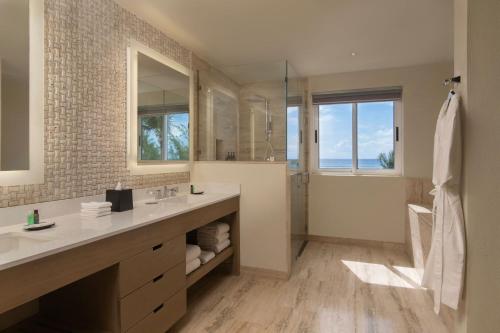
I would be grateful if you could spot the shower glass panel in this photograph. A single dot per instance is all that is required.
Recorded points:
(295, 96)
(295, 155)
(242, 113)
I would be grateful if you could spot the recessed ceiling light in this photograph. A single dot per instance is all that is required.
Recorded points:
(354, 54)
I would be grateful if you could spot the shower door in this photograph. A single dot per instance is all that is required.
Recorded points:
(298, 192)
(299, 178)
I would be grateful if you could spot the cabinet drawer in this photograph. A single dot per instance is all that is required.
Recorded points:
(145, 266)
(164, 315)
(144, 300)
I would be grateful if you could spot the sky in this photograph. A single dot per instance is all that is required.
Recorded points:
(292, 133)
(375, 130)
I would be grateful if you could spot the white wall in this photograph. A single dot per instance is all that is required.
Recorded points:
(373, 208)
(264, 211)
(477, 31)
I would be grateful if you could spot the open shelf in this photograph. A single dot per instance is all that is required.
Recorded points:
(203, 270)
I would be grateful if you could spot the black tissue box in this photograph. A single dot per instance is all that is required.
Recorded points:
(121, 200)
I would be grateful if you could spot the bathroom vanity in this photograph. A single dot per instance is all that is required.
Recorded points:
(121, 273)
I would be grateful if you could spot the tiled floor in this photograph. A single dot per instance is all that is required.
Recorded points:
(333, 288)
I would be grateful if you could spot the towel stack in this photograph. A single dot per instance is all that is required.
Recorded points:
(95, 209)
(192, 257)
(195, 257)
(214, 237)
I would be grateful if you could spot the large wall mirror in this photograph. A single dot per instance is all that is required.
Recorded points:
(159, 112)
(21, 92)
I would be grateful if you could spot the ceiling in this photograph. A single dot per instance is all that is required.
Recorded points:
(315, 36)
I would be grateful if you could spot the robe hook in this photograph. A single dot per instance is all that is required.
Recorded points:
(456, 79)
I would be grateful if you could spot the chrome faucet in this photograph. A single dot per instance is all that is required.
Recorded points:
(170, 191)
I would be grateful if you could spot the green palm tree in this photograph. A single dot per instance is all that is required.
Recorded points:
(386, 160)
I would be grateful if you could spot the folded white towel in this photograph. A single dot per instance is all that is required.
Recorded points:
(192, 265)
(206, 256)
(95, 204)
(95, 210)
(217, 248)
(215, 229)
(192, 252)
(209, 239)
(92, 215)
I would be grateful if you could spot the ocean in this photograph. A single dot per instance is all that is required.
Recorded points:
(347, 164)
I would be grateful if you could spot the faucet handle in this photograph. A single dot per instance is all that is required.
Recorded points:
(156, 193)
(174, 190)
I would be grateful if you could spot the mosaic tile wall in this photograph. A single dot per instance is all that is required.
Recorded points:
(85, 100)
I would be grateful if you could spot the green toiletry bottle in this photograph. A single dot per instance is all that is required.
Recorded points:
(31, 218)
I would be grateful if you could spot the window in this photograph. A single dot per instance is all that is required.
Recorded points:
(358, 132)
(293, 137)
(164, 137)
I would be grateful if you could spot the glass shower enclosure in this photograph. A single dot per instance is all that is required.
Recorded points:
(256, 113)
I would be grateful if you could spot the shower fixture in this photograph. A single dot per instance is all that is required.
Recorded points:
(269, 153)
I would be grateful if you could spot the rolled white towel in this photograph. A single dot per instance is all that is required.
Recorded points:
(206, 256)
(192, 265)
(95, 204)
(215, 229)
(217, 248)
(210, 240)
(192, 252)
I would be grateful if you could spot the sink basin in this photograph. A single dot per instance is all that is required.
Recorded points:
(186, 199)
(14, 241)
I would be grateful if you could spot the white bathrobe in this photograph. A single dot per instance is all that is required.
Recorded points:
(444, 268)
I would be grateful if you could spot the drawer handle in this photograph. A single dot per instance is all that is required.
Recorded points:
(157, 247)
(158, 308)
(158, 278)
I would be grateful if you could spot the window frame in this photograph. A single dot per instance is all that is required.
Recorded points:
(398, 142)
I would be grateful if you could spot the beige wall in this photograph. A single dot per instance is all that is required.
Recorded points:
(370, 208)
(14, 115)
(373, 207)
(264, 215)
(460, 68)
(478, 52)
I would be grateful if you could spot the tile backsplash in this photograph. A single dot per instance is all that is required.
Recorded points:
(86, 100)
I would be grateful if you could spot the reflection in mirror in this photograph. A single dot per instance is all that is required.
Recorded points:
(14, 85)
(222, 131)
(162, 112)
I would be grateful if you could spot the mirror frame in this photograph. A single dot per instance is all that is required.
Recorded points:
(35, 173)
(152, 167)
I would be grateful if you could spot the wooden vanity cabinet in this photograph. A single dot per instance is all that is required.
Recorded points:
(131, 282)
(152, 285)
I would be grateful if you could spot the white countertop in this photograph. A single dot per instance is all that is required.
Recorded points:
(73, 230)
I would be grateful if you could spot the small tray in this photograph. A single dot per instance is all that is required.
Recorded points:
(39, 226)
(198, 193)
